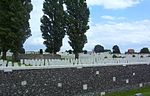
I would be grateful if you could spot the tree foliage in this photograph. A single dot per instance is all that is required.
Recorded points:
(69, 51)
(85, 51)
(116, 49)
(53, 25)
(77, 15)
(144, 50)
(14, 25)
(98, 49)
(26, 26)
(5, 30)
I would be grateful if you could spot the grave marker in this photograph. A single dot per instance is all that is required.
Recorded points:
(85, 87)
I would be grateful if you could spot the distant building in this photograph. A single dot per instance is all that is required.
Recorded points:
(131, 51)
(31, 52)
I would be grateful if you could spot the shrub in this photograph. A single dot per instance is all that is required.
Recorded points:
(105, 57)
(41, 51)
(114, 56)
(85, 51)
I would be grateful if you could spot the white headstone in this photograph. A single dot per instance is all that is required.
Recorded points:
(103, 93)
(46, 62)
(85, 87)
(141, 85)
(9, 64)
(1, 62)
(79, 67)
(23, 83)
(138, 94)
(5, 62)
(133, 74)
(124, 64)
(7, 69)
(21, 61)
(97, 72)
(114, 79)
(16, 64)
(127, 80)
(59, 84)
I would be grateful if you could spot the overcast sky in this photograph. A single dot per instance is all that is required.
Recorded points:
(112, 22)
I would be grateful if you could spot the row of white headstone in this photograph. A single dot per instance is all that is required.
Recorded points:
(66, 62)
(4, 63)
(103, 55)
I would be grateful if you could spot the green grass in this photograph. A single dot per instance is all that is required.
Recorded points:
(145, 91)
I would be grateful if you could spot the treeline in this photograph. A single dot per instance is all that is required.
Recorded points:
(116, 50)
(14, 25)
(61, 17)
(99, 49)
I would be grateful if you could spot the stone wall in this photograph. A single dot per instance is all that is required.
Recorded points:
(39, 56)
(73, 81)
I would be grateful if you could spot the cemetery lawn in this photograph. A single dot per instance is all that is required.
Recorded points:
(145, 91)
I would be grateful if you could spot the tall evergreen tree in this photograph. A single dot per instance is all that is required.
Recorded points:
(116, 49)
(20, 24)
(14, 28)
(52, 27)
(5, 29)
(26, 27)
(77, 15)
(24, 32)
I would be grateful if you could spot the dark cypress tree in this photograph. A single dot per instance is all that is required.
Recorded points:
(26, 31)
(77, 15)
(5, 26)
(116, 49)
(26, 27)
(20, 25)
(53, 25)
(14, 27)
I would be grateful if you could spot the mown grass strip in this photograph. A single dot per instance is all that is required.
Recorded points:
(145, 91)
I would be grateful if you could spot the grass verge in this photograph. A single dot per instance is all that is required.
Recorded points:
(145, 91)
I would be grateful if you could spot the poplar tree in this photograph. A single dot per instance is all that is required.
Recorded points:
(14, 25)
(20, 25)
(27, 5)
(53, 25)
(116, 49)
(5, 27)
(77, 16)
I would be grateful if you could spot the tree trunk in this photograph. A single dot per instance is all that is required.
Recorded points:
(0, 51)
(76, 55)
(15, 57)
(54, 53)
(4, 55)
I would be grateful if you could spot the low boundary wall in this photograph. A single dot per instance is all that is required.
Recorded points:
(39, 56)
(73, 81)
